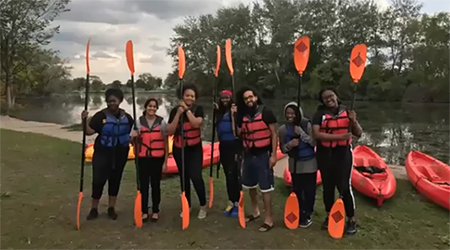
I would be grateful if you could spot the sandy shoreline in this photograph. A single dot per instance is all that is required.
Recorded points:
(56, 130)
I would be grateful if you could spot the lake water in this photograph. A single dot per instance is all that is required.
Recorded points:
(391, 129)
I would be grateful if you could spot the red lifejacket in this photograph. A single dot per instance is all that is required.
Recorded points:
(151, 139)
(192, 136)
(255, 132)
(335, 124)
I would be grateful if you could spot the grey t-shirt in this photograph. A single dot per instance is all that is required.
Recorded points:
(303, 167)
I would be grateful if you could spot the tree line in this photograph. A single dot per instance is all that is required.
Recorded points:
(145, 81)
(407, 50)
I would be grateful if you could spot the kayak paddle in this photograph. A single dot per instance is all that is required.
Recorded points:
(301, 57)
(137, 200)
(211, 184)
(184, 203)
(83, 145)
(336, 220)
(241, 213)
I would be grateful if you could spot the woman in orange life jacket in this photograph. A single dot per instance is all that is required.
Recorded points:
(296, 139)
(152, 153)
(113, 126)
(229, 148)
(334, 152)
(257, 129)
(193, 151)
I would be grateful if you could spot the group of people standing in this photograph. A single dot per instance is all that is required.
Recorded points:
(248, 135)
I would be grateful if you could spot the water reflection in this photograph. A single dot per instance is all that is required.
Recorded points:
(392, 129)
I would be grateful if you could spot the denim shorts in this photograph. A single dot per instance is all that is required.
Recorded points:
(256, 172)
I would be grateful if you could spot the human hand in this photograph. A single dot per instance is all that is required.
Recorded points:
(293, 143)
(215, 106)
(134, 134)
(346, 136)
(352, 116)
(233, 108)
(84, 114)
(164, 167)
(183, 104)
(272, 161)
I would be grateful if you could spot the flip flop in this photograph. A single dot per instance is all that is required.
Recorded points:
(266, 228)
(153, 219)
(145, 219)
(250, 218)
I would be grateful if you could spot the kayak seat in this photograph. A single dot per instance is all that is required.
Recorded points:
(372, 172)
(430, 174)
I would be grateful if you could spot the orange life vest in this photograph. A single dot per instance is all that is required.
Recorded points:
(335, 124)
(151, 139)
(192, 136)
(255, 132)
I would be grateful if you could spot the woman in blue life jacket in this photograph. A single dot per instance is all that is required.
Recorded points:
(113, 126)
(229, 148)
(295, 138)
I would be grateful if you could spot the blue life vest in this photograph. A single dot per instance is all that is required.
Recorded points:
(224, 128)
(115, 131)
(304, 150)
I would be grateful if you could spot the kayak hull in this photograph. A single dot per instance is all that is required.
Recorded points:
(379, 186)
(288, 177)
(430, 177)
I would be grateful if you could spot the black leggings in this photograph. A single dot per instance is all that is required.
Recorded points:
(230, 168)
(108, 166)
(193, 161)
(336, 168)
(304, 186)
(150, 171)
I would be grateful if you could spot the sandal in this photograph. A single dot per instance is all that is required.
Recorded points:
(144, 217)
(155, 217)
(265, 227)
(250, 218)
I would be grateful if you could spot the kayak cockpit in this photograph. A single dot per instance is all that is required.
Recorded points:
(372, 172)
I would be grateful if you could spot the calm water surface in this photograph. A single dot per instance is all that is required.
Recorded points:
(391, 129)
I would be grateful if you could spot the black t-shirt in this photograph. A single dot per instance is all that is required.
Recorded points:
(269, 118)
(318, 118)
(198, 112)
(97, 121)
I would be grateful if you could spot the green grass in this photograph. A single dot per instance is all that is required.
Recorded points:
(40, 178)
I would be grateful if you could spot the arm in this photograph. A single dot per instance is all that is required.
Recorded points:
(281, 136)
(356, 129)
(166, 140)
(174, 119)
(306, 136)
(274, 138)
(95, 123)
(196, 119)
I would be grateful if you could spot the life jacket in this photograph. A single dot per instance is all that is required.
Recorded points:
(304, 151)
(151, 140)
(255, 132)
(225, 129)
(115, 131)
(335, 124)
(192, 136)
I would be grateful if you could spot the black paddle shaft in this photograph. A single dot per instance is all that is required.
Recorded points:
(136, 162)
(352, 105)
(213, 132)
(182, 140)
(299, 93)
(84, 123)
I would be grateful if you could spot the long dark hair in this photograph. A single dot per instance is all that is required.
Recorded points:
(322, 104)
(149, 100)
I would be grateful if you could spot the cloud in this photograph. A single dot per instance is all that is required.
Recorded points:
(157, 47)
(153, 59)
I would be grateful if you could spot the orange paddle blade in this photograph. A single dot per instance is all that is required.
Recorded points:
(228, 56)
(216, 73)
(181, 62)
(292, 212)
(138, 210)
(80, 197)
(185, 211)
(130, 57)
(88, 69)
(358, 61)
(336, 220)
(211, 192)
(241, 214)
(301, 53)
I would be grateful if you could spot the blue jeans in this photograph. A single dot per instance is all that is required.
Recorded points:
(257, 172)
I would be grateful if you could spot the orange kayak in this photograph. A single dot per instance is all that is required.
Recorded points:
(430, 177)
(371, 176)
(288, 178)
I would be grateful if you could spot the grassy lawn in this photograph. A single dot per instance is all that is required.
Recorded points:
(39, 183)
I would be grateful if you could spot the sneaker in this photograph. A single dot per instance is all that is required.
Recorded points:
(351, 227)
(112, 213)
(234, 211)
(228, 209)
(325, 224)
(201, 214)
(93, 214)
(306, 221)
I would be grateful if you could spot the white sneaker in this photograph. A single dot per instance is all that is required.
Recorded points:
(201, 214)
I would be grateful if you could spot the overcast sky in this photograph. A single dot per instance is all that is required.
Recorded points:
(148, 23)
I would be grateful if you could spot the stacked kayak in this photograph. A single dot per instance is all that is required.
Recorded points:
(430, 177)
(371, 176)
(288, 178)
(171, 165)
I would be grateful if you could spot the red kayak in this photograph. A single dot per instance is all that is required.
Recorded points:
(371, 176)
(430, 177)
(288, 179)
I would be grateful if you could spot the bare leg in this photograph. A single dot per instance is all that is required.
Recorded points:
(267, 198)
(254, 197)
